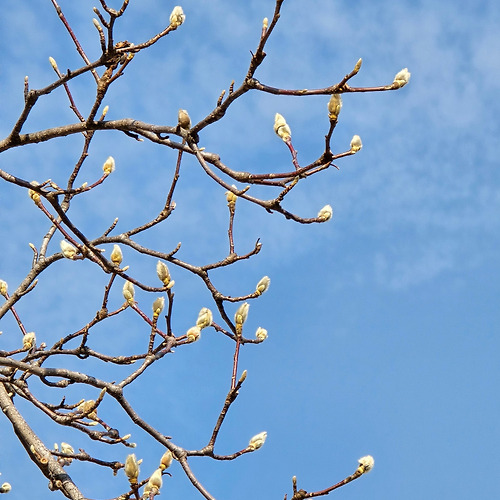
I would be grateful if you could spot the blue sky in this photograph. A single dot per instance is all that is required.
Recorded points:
(383, 323)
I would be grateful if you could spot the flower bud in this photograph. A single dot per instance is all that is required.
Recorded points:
(3, 288)
(356, 144)
(155, 481)
(5, 488)
(230, 196)
(68, 250)
(241, 313)
(132, 468)
(177, 17)
(281, 128)
(183, 119)
(53, 63)
(325, 213)
(366, 464)
(158, 306)
(128, 292)
(88, 408)
(162, 272)
(116, 255)
(257, 441)
(166, 460)
(357, 66)
(29, 340)
(261, 334)
(67, 449)
(401, 78)
(105, 111)
(33, 194)
(263, 285)
(109, 165)
(205, 318)
(193, 334)
(265, 23)
(334, 106)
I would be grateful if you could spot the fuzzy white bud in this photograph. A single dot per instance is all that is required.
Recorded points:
(205, 318)
(68, 250)
(132, 468)
(177, 17)
(401, 78)
(281, 128)
(158, 306)
(67, 448)
(241, 313)
(166, 460)
(263, 285)
(3, 288)
(116, 255)
(261, 334)
(162, 272)
(5, 488)
(325, 213)
(356, 144)
(29, 340)
(257, 441)
(366, 464)
(193, 334)
(155, 481)
(334, 106)
(128, 292)
(109, 165)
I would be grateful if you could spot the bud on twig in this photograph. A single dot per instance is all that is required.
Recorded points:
(131, 468)
(356, 144)
(155, 481)
(357, 66)
(230, 196)
(162, 272)
(68, 250)
(116, 256)
(177, 17)
(263, 285)
(334, 106)
(205, 318)
(325, 213)
(281, 128)
(241, 313)
(3, 288)
(109, 165)
(53, 63)
(158, 306)
(257, 441)
(193, 334)
(29, 341)
(401, 78)
(166, 460)
(261, 334)
(365, 464)
(128, 292)
(5, 488)
(183, 119)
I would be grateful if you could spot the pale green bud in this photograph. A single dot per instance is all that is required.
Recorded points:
(356, 144)
(128, 292)
(68, 250)
(205, 318)
(257, 441)
(263, 285)
(281, 128)
(177, 17)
